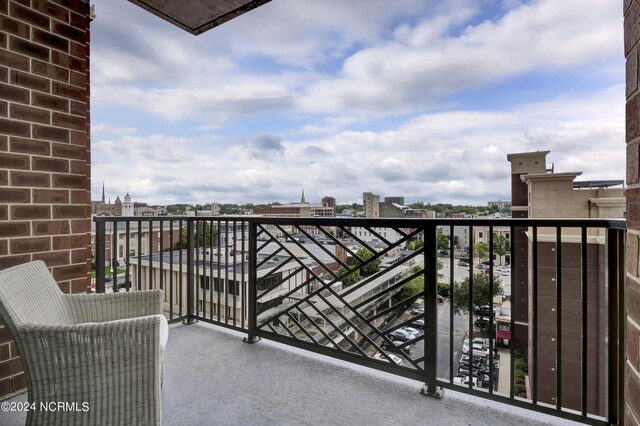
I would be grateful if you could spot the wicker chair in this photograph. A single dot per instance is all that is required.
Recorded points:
(100, 354)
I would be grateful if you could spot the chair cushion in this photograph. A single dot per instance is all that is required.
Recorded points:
(164, 333)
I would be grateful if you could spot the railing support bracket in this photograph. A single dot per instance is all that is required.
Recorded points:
(189, 320)
(437, 393)
(252, 339)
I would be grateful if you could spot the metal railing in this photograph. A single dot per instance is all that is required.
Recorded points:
(550, 338)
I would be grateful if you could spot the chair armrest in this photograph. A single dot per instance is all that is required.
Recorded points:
(114, 306)
(105, 365)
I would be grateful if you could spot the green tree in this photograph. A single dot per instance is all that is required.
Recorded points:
(200, 229)
(442, 241)
(481, 295)
(501, 246)
(481, 251)
(413, 287)
(371, 268)
(350, 279)
(414, 245)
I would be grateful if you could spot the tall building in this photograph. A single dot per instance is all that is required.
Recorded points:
(371, 203)
(539, 193)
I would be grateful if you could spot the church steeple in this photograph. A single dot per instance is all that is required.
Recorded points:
(302, 201)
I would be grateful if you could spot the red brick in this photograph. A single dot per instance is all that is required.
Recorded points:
(631, 28)
(633, 118)
(70, 272)
(5, 351)
(12, 366)
(79, 255)
(78, 49)
(52, 133)
(5, 334)
(633, 300)
(30, 16)
(80, 285)
(51, 9)
(51, 40)
(19, 382)
(14, 128)
(6, 386)
(3, 40)
(51, 227)
(4, 178)
(14, 229)
(79, 138)
(633, 345)
(53, 258)
(15, 195)
(15, 27)
(30, 81)
(30, 212)
(50, 70)
(4, 143)
(4, 247)
(69, 32)
(70, 62)
(80, 225)
(68, 151)
(30, 146)
(4, 109)
(26, 113)
(30, 245)
(50, 196)
(69, 181)
(68, 242)
(30, 179)
(4, 74)
(632, 393)
(633, 162)
(50, 102)
(50, 165)
(79, 108)
(14, 60)
(80, 197)
(14, 161)
(68, 121)
(70, 211)
(78, 20)
(632, 72)
(78, 79)
(62, 89)
(14, 94)
(4, 212)
(78, 167)
(28, 48)
(4, 6)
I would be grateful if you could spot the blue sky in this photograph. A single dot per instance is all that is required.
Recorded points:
(416, 98)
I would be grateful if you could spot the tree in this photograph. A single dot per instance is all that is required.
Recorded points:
(443, 242)
(371, 268)
(413, 287)
(199, 229)
(349, 279)
(481, 295)
(501, 246)
(481, 251)
(414, 245)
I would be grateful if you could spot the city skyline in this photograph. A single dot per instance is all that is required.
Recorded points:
(423, 99)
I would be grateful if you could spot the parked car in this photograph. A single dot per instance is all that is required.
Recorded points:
(482, 322)
(396, 359)
(394, 347)
(463, 379)
(401, 335)
(440, 299)
(418, 311)
(412, 330)
(419, 324)
(484, 310)
(478, 350)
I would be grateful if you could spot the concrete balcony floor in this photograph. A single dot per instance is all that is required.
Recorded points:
(213, 377)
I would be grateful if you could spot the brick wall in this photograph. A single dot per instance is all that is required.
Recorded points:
(632, 53)
(44, 148)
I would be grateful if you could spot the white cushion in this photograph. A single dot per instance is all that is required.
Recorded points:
(164, 333)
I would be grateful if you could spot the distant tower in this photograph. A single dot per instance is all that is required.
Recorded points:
(371, 204)
(302, 201)
(127, 206)
(102, 192)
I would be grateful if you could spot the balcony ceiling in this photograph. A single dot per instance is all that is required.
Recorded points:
(198, 16)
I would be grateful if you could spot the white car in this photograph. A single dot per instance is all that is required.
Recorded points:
(412, 330)
(464, 380)
(396, 359)
(478, 349)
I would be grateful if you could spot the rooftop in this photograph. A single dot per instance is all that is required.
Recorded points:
(212, 377)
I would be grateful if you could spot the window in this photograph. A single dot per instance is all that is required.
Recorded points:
(480, 234)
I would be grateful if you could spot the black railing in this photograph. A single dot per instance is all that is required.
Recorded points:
(540, 302)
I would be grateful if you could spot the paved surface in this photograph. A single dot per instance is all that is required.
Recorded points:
(213, 378)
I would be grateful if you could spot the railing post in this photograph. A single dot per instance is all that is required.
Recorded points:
(615, 301)
(100, 255)
(190, 319)
(252, 290)
(431, 313)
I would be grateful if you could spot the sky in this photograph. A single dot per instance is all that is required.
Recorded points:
(416, 98)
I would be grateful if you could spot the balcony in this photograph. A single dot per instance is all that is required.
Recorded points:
(351, 307)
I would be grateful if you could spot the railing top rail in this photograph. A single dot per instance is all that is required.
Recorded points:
(386, 222)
